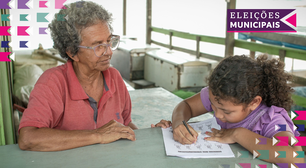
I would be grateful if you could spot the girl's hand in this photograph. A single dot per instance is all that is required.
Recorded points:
(162, 123)
(223, 136)
(182, 135)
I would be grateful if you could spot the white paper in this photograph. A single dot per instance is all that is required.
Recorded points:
(202, 148)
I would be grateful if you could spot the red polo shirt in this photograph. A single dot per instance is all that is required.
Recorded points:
(59, 101)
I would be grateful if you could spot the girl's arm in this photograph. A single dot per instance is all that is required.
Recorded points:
(188, 108)
(247, 139)
(185, 110)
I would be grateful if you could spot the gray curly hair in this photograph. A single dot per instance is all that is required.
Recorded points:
(66, 34)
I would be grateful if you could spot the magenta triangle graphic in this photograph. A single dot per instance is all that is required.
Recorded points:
(245, 165)
(292, 20)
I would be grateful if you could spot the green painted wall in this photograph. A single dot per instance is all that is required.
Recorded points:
(2, 137)
(7, 135)
(6, 129)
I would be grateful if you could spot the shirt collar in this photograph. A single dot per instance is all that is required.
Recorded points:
(109, 83)
(75, 89)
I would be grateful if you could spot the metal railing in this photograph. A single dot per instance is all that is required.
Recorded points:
(252, 46)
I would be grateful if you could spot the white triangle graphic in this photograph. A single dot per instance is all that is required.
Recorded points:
(294, 127)
(30, 4)
(49, 16)
(47, 4)
(257, 141)
(10, 44)
(257, 166)
(294, 154)
(284, 19)
(30, 30)
(255, 154)
(276, 154)
(292, 166)
(292, 115)
(10, 17)
(236, 166)
(293, 141)
(28, 17)
(12, 4)
(274, 141)
(12, 31)
(28, 44)
(66, 17)
(12, 56)
(277, 127)
(239, 154)
(274, 166)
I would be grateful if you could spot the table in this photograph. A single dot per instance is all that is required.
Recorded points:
(146, 152)
(151, 105)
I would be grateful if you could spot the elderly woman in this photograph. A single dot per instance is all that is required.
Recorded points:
(84, 101)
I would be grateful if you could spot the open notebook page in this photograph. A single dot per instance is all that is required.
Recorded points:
(202, 148)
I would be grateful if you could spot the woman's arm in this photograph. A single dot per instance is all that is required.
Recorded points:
(48, 139)
(247, 139)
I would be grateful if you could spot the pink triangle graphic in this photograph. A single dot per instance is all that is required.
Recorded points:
(262, 166)
(292, 20)
(245, 165)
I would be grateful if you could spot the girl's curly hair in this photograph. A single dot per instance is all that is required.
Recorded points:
(240, 79)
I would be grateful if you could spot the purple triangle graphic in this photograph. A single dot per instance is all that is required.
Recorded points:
(292, 20)
(42, 30)
(282, 165)
(3, 4)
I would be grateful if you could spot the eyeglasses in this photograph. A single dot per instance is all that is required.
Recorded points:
(101, 49)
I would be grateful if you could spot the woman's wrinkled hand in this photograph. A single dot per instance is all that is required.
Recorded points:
(163, 124)
(113, 131)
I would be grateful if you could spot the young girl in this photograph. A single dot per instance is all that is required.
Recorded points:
(249, 97)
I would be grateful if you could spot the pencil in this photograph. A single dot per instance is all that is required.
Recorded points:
(187, 128)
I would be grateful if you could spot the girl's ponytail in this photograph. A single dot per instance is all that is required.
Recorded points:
(275, 89)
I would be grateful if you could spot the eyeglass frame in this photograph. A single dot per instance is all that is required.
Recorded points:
(106, 45)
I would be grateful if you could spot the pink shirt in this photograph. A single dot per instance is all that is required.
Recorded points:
(261, 121)
(59, 101)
